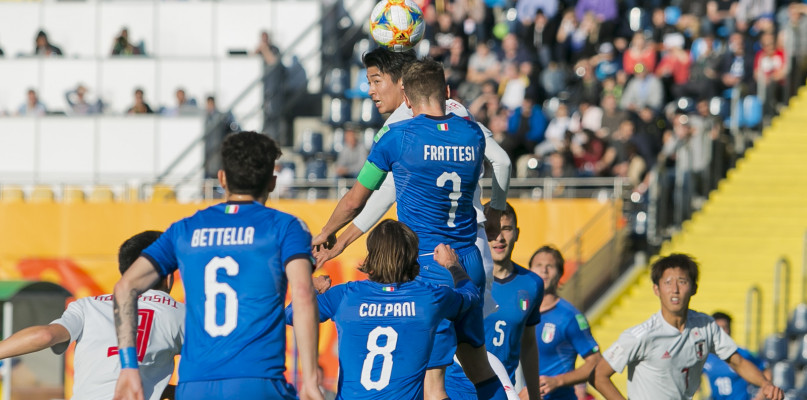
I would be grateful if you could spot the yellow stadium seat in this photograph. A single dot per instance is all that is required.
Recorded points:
(41, 194)
(101, 194)
(72, 194)
(12, 194)
(163, 194)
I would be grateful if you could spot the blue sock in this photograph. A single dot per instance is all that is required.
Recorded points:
(490, 389)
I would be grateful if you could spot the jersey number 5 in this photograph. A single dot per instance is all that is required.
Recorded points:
(145, 317)
(385, 351)
(214, 288)
(456, 181)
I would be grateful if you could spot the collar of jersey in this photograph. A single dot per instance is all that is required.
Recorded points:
(438, 117)
(506, 279)
(240, 202)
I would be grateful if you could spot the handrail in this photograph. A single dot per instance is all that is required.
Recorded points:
(782, 264)
(749, 315)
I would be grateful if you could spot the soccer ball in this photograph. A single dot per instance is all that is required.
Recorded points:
(397, 24)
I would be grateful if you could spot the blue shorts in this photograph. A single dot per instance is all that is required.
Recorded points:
(470, 329)
(237, 388)
(458, 387)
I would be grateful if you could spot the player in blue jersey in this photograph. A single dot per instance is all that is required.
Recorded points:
(723, 381)
(236, 259)
(386, 324)
(563, 333)
(436, 160)
(509, 332)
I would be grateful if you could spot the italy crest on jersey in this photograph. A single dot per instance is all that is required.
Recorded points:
(548, 333)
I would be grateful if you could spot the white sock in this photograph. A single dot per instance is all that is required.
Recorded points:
(504, 377)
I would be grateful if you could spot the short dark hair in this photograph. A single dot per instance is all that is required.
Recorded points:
(130, 249)
(508, 211)
(389, 62)
(559, 261)
(392, 253)
(675, 260)
(423, 80)
(248, 160)
(721, 315)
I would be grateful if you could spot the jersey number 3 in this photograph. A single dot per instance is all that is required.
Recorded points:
(375, 350)
(455, 195)
(145, 317)
(214, 288)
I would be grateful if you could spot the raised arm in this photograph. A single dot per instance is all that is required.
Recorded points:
(137, 279)
(306, 323)
(33, 339)
(500, 161)
(348, 207)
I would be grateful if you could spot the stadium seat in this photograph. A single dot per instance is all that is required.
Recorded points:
(72, 195)
(720, 107)
(800, 358)
(12, 194)
(797, 325)
(775, 348)
(369, 115)
(784, 375)
(101, 194)
(316, 169)
(336, 82)
(360, 88)
(338, 111)
(163, 194)
(41, 194)
(359, 49)
(311, 143)
(752, 112)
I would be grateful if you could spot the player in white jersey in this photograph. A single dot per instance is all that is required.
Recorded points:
(89, 322)
(666, 353)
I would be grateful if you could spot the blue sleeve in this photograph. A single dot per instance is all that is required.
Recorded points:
(456, 302)
(387, 150)
(751, 357)
(579, 333)
(534, 318)
(162, 253)
(328, 303)
(296, 242)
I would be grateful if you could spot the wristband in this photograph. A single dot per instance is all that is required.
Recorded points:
(128, 357)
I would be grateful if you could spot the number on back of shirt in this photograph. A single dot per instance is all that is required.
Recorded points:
(455, 195)
(723, 385)
(215, 290)
(376, 349)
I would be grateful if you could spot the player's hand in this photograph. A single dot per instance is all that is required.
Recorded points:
(322, 254)
(129, 386)
(548, 384)
(493, 223)
(445, 256)
(321, 283)
(772, 392)
(323, 241)
(310, 392)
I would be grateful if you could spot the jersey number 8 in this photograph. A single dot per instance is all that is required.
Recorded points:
(385, 351)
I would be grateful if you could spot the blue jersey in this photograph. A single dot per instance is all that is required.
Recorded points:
(563, 334)
(386, 332)
(724, 382)
(436, 162)
(232, 257)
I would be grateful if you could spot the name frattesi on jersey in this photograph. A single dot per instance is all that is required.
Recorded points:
(449, 153)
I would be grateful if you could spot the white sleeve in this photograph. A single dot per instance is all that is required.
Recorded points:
(73, 320)
(377, 205)
(501, 172)
(624, 351)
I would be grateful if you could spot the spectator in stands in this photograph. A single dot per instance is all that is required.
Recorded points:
(557, 166)
(43, 47)
(456, 65)
(351, 158)
(647, 135)
(605, 12)
(184, 106)
(702, 83)
(770, 71)
(588, 116)
(483, 66)
(605, 64)
(587, 89)
(555, 133)
(553, 79)
(675, 64)
(587, 152)
(79, 105)
(514, 84)
(273, 76)
(661, 26)
(736, 68)
(32, 106)
(720, 17)
(218, 124)
(614, 161)
(750, 13)
(539, 36)
(512, 51)
(140, 106)
(124, 47)
(643, 90)
(795, 37)
(611, 115)
(525, 129)
(487, 104)
(444, 34)
(639, 52)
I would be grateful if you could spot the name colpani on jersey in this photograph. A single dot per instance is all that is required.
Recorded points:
(406, 309)
(229, 236)
(449, 153)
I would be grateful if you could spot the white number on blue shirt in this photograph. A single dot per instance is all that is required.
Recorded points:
(456, 180)
(723, 385)
(498, 341)
(213, 288)
(375, 350)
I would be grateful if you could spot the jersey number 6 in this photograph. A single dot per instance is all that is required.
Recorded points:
(214, 288)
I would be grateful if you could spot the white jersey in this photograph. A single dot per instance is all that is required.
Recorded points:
(91, 325)
(665, 363)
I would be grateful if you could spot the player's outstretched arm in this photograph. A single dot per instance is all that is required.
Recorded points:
(500, 162)
(529, 363)
(137, 279)
(348, 207)
(573, 377)
(601, 380)
(748, 371)
(348, 236)
(306, 323)
(33, 339)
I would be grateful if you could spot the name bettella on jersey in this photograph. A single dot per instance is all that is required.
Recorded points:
(222, 236)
